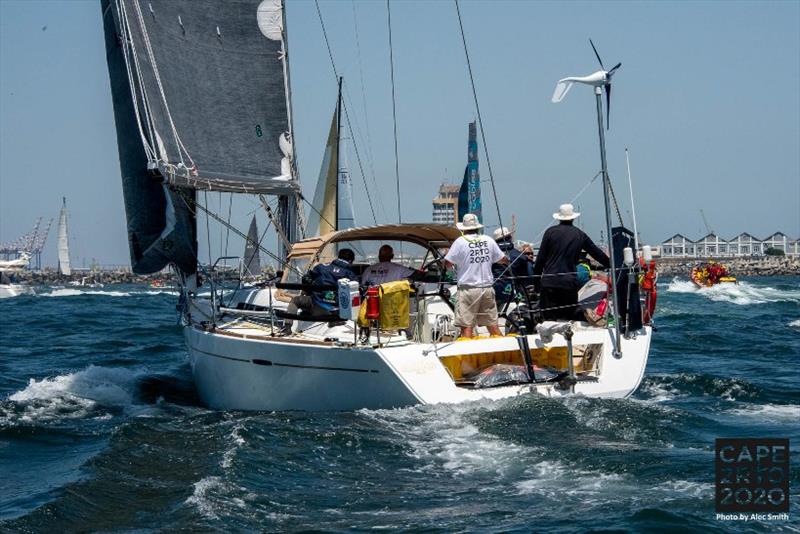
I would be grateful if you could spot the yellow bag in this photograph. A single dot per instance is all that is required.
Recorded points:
(394, 305)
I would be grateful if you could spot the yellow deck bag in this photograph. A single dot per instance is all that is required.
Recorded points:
(394, 305)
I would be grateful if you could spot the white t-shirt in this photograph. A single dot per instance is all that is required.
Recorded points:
(473, 255)
(385, 271)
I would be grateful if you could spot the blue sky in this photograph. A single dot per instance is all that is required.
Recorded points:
(706, 100)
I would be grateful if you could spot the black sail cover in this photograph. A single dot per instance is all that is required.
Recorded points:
(630, 307)
(200, 102)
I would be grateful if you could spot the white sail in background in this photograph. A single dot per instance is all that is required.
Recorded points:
(63, 242)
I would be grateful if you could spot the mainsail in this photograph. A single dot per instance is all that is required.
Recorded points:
(469, 196)
(63, 241)
(201, 102)
(252, 260)
(333, 204)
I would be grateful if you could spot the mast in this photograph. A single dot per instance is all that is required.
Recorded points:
(289, 206)
(338, 150)
(606, 185)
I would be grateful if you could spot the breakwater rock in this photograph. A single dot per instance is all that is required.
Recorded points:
(762, 266)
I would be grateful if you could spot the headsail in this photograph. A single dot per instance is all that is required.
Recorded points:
(200, 102)
(469, 196)
(63, 241)
(322, 218)
(252, 260)
(333, 202)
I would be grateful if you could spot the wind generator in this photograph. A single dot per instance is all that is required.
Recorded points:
(600, 80)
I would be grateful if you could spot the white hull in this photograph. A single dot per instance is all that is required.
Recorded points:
(14, 290)
(258, 372)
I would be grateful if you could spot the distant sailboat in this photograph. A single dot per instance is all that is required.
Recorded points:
(333, 200)
(469, 196)
(63, 241)
(252, 260)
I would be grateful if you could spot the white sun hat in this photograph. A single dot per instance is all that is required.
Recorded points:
(501, 232)
(566, 213)
(470, 222)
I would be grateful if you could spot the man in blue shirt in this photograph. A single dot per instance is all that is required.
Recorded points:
(323, 301)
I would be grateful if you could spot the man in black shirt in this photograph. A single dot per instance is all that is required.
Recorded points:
(554, 269)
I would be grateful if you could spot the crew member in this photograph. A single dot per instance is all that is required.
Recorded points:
(554, 269)
(323, 301)
(517, 269)
(385, 270)
(473, 255)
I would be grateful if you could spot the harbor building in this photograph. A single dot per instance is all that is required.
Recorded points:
(743, 245)
(445, 206)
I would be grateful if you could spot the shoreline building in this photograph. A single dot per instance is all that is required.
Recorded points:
(445, 205)
(713, 246)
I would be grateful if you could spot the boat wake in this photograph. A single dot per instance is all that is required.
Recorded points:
(743, 293)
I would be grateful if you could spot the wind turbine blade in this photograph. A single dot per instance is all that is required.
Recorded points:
(596, 54)
(608, 106)
(615, 67)
(562, 88)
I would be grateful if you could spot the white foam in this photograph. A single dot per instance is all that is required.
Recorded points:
(795, 324)
(236, 442)
(743, 293)
(775, 413)
(75, 394)
(201, 497)
(71, 292)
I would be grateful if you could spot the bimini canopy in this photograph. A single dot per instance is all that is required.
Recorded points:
(424, 234)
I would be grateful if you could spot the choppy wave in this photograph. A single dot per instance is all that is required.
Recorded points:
(661, 388)
(776, 413)
(743, 293)
(69, 396)
(795, 324)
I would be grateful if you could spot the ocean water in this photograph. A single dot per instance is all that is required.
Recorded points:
(101, 430)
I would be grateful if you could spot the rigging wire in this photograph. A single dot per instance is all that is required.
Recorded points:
(370, 155)
(346, 114)
(480, 120)
(321, 216)
(394, 113)
(235, 231)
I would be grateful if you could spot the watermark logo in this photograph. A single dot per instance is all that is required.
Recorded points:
(752, 475)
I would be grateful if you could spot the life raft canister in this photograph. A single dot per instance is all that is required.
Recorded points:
(647, 283)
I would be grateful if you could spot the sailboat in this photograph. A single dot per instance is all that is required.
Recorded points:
(63, 241)
(8, 271)
(202, 102)
(252, 260)
(332, 208)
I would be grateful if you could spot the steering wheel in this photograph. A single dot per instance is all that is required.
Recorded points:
(434, 261)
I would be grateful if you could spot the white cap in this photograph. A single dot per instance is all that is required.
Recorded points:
(500, 233)
(566, 213)
(470, 222)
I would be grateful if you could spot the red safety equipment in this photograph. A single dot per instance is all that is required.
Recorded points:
(373, 303)
(648, 286)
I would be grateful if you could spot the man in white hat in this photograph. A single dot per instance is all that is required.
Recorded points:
(518, 270)
(473, 255)
(556, 264)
